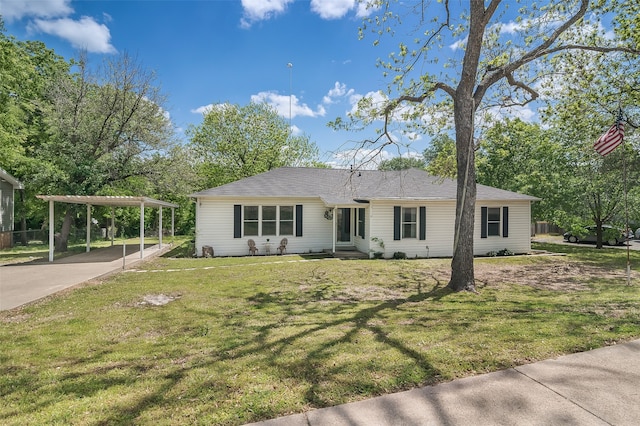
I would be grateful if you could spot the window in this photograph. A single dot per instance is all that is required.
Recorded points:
(266, 220)
(251, 219)
(269, 220)
(493, 221)
(286, 220)
(409, 222)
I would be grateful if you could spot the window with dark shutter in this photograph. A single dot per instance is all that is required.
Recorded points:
(397, 222)
(483, 222)
(298, 220)
(505, 222)
(237, 221)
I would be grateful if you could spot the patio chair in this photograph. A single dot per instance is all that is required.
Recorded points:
(252, 247)
(283, 246)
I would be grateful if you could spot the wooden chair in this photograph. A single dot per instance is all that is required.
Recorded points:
(283, 246)
(252, 247)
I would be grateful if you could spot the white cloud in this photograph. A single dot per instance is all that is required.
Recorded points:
(296, 131)
(83, 34)
(512, 27)
(203, 109)
(282, 104)
(458, 44)
(332, 9)
(339, 90)
(260, 10)
(18, 9)
(366, 8)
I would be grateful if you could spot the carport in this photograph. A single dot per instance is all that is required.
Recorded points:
(110, 201)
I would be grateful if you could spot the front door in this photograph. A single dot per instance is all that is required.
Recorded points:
(343, 226)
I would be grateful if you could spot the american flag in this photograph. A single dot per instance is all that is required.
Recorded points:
(610, 140)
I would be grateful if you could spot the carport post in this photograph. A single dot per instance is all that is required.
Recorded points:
(160, 230)
(172, 222)
(88, 228)
(141, 229)
(51, 226)
(113, 224)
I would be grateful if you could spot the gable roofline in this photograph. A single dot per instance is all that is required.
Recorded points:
(339, 186)
(13, 181)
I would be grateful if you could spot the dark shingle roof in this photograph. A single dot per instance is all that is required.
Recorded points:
(335, 186)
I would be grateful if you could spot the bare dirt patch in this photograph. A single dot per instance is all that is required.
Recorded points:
(567, 276)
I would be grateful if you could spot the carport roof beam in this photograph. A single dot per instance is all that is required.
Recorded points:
(107, 200)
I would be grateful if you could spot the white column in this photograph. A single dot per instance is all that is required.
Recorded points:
(113, 224)
(88, 228)
(333, 221)
(172, 222)
(141, 230)
(51, 229)
(160, 230)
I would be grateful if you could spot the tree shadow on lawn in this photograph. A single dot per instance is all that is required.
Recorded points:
(351, 324)
(298, 335)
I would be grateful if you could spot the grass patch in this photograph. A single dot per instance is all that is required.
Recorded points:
(247, 339)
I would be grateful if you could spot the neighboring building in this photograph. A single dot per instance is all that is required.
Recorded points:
(8, 184)
(318, 210)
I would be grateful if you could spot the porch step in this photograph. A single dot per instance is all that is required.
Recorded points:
(348, 253)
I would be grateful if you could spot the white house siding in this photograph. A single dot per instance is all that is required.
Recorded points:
(519, 239)
(440, 217)
(439, 229)
(214, 227)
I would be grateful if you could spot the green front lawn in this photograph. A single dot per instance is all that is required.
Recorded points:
(246, 339)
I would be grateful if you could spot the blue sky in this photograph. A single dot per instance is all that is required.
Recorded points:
(207, 52)
(210, 51)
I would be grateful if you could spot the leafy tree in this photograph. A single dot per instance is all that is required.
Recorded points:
(524, 157)
(108, 130)
(496, 67)
(593, 89)
(401, 163)
(27, 69)
(234, 142)
(440, 156)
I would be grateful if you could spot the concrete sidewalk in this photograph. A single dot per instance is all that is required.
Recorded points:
(599, 387)
(25, 282)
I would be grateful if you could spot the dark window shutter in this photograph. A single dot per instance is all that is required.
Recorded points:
(423, 223)
(237, 221)
(505, 222)
(483, 222)
(397, 214)
(361, 213)
(298, 220)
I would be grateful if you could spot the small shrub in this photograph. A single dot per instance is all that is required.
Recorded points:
(399, 255)
(492, 254)
(505, 252)
(378, 255)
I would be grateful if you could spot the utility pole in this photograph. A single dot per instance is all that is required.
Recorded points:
(290, 66)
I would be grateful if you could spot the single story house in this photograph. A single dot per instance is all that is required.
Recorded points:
(370, 211)
(8, 184)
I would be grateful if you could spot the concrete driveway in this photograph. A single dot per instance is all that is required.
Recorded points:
(25, 282)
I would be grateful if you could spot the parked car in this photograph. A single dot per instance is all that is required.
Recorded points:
(610, 235)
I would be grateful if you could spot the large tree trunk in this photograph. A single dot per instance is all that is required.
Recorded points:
(462, 277)
(62, 242)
